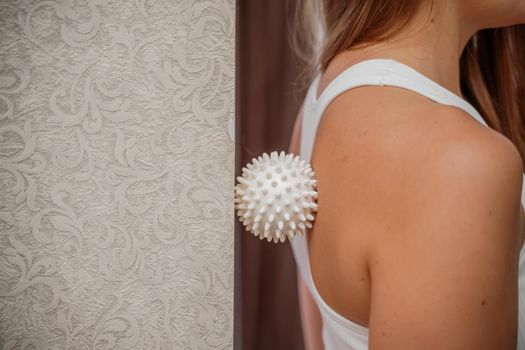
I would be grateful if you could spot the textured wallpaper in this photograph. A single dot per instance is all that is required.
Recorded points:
(116, 174)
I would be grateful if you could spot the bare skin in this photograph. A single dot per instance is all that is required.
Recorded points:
(423, 247)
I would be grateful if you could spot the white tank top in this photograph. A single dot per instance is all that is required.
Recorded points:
(340, 333)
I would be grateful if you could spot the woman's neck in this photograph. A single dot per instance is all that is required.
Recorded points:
(432, 44)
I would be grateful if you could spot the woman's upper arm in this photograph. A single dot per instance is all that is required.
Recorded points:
(447, 278)
(310, 317)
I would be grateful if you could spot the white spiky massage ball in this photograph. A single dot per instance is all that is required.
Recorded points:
(275, 196)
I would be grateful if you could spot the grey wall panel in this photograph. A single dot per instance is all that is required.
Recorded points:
(116, 174)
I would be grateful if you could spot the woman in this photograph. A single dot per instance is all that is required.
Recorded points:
(419, 161)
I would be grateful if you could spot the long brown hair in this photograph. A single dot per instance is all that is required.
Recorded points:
(492, 64)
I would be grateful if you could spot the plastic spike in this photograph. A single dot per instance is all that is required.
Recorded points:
(241, 180)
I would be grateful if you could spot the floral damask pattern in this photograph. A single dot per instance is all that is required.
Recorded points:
(116, 168)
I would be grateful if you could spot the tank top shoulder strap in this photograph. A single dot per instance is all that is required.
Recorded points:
(373, 72)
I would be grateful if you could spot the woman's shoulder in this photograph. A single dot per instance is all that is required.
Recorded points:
(402, 124)
(405, 154)
(453, 138)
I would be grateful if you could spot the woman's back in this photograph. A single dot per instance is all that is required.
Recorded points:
(402, 184)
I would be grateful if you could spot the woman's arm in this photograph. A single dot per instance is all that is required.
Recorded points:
(445, 277)
(310, 315)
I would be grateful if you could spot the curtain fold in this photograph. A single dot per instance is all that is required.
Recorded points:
(268, 104)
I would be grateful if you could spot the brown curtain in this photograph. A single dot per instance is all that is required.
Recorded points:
(267, 310)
